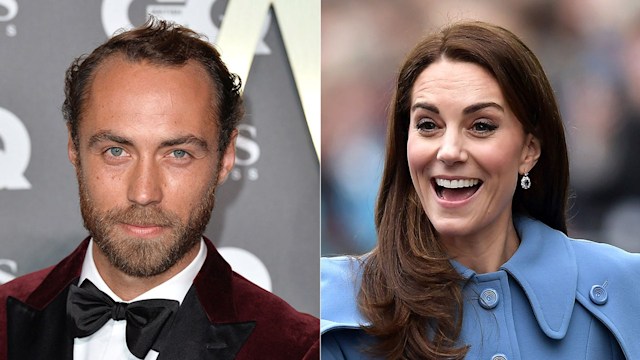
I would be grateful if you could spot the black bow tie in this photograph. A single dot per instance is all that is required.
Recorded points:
(89, 309)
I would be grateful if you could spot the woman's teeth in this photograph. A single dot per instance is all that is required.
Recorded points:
(457, 184)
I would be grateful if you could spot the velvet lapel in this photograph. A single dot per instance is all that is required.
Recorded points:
(35, 334)
(192, 336)
(37, 325)
(214, 288)
(207, 324)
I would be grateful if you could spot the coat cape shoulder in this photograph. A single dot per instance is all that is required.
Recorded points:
(585, 266)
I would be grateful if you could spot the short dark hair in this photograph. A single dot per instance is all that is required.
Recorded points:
(160, 43)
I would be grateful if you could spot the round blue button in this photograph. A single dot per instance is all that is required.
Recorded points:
(598, 295)
(488, 298)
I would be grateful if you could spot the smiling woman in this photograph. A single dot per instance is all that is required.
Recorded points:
(473, 259)
(465, 149)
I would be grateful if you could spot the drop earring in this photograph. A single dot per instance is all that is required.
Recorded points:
(525, 182)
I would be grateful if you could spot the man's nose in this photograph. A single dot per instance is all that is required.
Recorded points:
(145, 183)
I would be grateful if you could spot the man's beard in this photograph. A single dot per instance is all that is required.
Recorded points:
(144, 257)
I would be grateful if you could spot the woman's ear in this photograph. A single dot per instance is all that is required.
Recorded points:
(530, 153)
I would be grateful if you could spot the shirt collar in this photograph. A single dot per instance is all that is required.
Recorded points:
(175, 288)
(545, 267)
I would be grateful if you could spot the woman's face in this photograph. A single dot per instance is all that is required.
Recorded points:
(465, 150)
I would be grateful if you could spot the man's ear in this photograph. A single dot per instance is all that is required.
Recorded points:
(72, 152)
(228, 158)
(530, 154)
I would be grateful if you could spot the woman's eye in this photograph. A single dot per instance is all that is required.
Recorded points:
(426, 125)
(483, 127)
(116, 151)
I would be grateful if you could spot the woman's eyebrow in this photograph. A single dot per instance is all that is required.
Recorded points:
(425, 106)
(477, 107)
(468, 110)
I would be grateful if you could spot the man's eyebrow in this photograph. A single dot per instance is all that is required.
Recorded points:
(477, 107)
(108, 136)
(186, 140)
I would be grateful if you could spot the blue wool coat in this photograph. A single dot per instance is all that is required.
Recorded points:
(556, 298)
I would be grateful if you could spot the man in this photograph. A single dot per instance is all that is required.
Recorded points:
(151, 117)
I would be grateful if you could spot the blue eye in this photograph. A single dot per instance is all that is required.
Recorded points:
(179, 153)
(116, 151)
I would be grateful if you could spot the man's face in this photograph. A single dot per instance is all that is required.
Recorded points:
(147, 163)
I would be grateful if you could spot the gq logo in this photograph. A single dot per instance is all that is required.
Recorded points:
(247, 153)
(246, 264)
(195, 14)
(5, 276)
(10, 12)
(15, 152)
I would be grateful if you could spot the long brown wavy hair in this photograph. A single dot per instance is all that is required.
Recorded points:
(410, 292)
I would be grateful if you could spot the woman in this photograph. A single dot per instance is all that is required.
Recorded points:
(472, 259)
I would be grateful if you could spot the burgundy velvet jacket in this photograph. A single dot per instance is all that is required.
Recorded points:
(223, 316)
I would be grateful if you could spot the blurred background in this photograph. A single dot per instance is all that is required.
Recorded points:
(590, 50)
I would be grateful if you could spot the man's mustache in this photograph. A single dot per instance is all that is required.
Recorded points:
(142, 216)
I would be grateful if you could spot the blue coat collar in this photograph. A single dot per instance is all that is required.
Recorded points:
(545, 267)
(340, 281)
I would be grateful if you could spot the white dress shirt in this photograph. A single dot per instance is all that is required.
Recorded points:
(109, 342)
